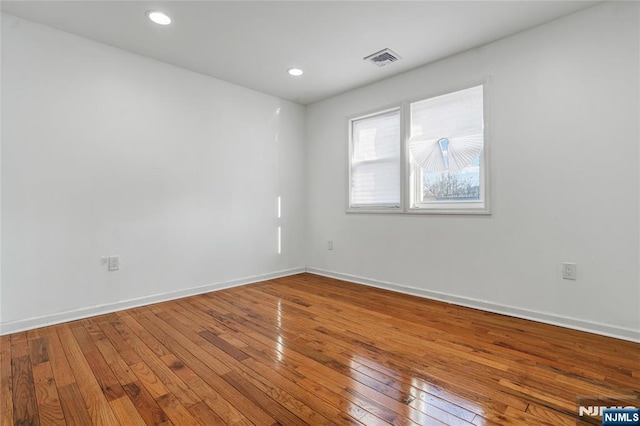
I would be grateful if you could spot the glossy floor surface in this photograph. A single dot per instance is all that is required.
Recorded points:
(309, 350)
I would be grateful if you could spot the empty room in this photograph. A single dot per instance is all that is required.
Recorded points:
(320, 212)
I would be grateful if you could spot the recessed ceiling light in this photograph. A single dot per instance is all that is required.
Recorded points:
(158, 17)
(296, 72)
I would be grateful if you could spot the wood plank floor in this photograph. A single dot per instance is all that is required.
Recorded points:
(309, 350)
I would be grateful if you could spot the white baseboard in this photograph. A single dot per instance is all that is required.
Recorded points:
(562, 321)
(75, 314)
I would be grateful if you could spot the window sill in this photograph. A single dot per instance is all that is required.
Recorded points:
(449, 211)
(373, 210)
(421, 212)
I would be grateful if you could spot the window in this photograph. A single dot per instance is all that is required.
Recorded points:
(375, 160)
(427, 156)
(445, 150)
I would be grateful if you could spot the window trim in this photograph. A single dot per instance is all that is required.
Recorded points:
(407, 184)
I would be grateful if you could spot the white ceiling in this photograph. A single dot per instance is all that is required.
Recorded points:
(253, 43)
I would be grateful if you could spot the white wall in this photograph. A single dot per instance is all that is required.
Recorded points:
(105, 152)
(565, 183)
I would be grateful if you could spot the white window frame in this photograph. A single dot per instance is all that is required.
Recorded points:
(410, 185)
(382, 208)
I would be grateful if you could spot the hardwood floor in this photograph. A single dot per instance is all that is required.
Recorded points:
(309, 350)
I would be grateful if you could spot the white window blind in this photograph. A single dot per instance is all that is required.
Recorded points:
(375, 160)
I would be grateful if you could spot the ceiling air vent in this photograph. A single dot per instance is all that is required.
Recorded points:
(383, 57)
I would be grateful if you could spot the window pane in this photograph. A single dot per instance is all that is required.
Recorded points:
(461, 186)
(447, 138)
(375, 184)
(375, 161)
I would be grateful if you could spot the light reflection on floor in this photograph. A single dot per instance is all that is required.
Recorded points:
(279, 343)
(420, 402)
(393, 390)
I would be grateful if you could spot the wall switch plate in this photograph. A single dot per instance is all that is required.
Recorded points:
(114, 263)
(569, 270)
(329, 245)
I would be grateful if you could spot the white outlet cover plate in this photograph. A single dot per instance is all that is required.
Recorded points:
(569, 270)
(114, 263)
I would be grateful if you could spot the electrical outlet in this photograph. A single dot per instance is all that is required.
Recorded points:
(329, 245)
(114, 263)
(569, 270)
